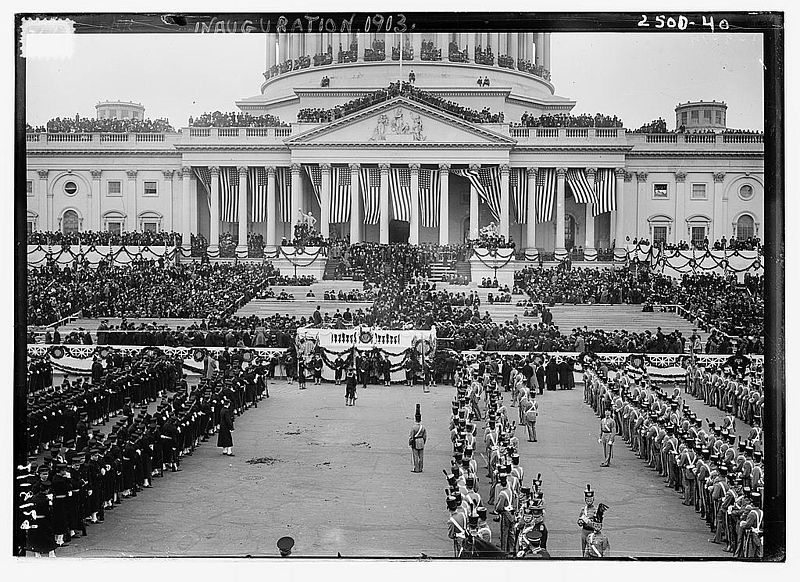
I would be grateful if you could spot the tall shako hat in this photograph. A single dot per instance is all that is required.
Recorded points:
(588, 494)
(418, 414)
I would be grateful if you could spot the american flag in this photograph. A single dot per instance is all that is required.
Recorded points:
(580, 187)
(229, 194)
(370, 180)
(257, 184)
(486, 182)
(606, 191)
(429, 194)
(400, 193)
(204, 177)
(315, 175)
(518, 186)
(340, 195)
(283, 188)
(545, 194)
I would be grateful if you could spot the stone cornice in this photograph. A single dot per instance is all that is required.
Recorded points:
(696, 154)
(410, 145)
(103, 153)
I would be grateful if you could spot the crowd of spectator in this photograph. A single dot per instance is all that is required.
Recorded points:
(752, 243)
(235, 119)
(105, 238)
(141, 289)
(399, 88)
(568, 120)
(89, 125)
(716, 302)
(559, 285)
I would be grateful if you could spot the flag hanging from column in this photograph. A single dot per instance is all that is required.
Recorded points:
(429, 195)
(518, 187)
(579, 186)
(315, 175)
(486, 182)
(204, 177)
(257, 185)
(340, 195)
(283, 188)
(370, 179)
(605, 190)
(400, 193)
(545, 194)
(229, 194)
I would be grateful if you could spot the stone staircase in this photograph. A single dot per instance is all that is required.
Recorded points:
(440, 270)
(331, 265)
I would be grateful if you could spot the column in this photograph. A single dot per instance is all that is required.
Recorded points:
(561, 174)
(297, 195)
(48, 219)
(272, 214)
(168, 174)
(529, 46)
(483, 40)
(271, 57)
(362, 45)
(514, 39)
(619, 227)
(213, 244)
(641, 193)
(96, 212)
(591, 174)
(242, 246)
(283, 47)
(470, 46)
(539, 40)
(495, 43)
(680, 206)
(546, 51)
(186, 209)
(505, 170)
(443, 42)
(130, 192)
(473, 207)
(416, 44)
(384, 239)
(296, 49)
(413, 227)
(355, 208)
(312, 45)
(718, 229)
(325, 201)
(530, 226)
(444, 204)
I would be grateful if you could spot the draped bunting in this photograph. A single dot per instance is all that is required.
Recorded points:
(370, 180)
(315, 176)
(257, 185)
(605, 191)
(340, 195)
(579, 186)
(283, 188)
(429, 195)
(229, 194)
(545, 194)
(400, 193)
(518, 188)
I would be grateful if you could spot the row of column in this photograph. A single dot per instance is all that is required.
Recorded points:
(530, 46)
(356, 220)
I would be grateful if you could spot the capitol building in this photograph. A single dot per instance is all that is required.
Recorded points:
(419, 138)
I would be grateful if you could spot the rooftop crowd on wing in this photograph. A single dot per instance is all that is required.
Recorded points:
(397, 89)
(105, 238)
(568, 120)
(89, 125)
(235, 119)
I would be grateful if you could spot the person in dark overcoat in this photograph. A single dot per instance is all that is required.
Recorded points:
(225, 438)
(551, 374)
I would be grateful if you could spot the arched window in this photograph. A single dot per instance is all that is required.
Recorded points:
(70, 222)
(745, 227)
(569, 232)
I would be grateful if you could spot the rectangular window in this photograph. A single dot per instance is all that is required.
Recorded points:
(718, 117)
(112, 113)
(695, 115)
(698, 235)
(684, 118)
(115, 188)
(699, 192)
(707, 115)
(150, 188)
(115, 227)
(660, 191)
(150, 226)
(29, 187)
(135, 113)
(659, 234)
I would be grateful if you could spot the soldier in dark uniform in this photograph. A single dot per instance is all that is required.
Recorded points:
(350, 388)
(225, 438)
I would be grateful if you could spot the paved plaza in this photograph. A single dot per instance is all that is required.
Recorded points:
(337, 479)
